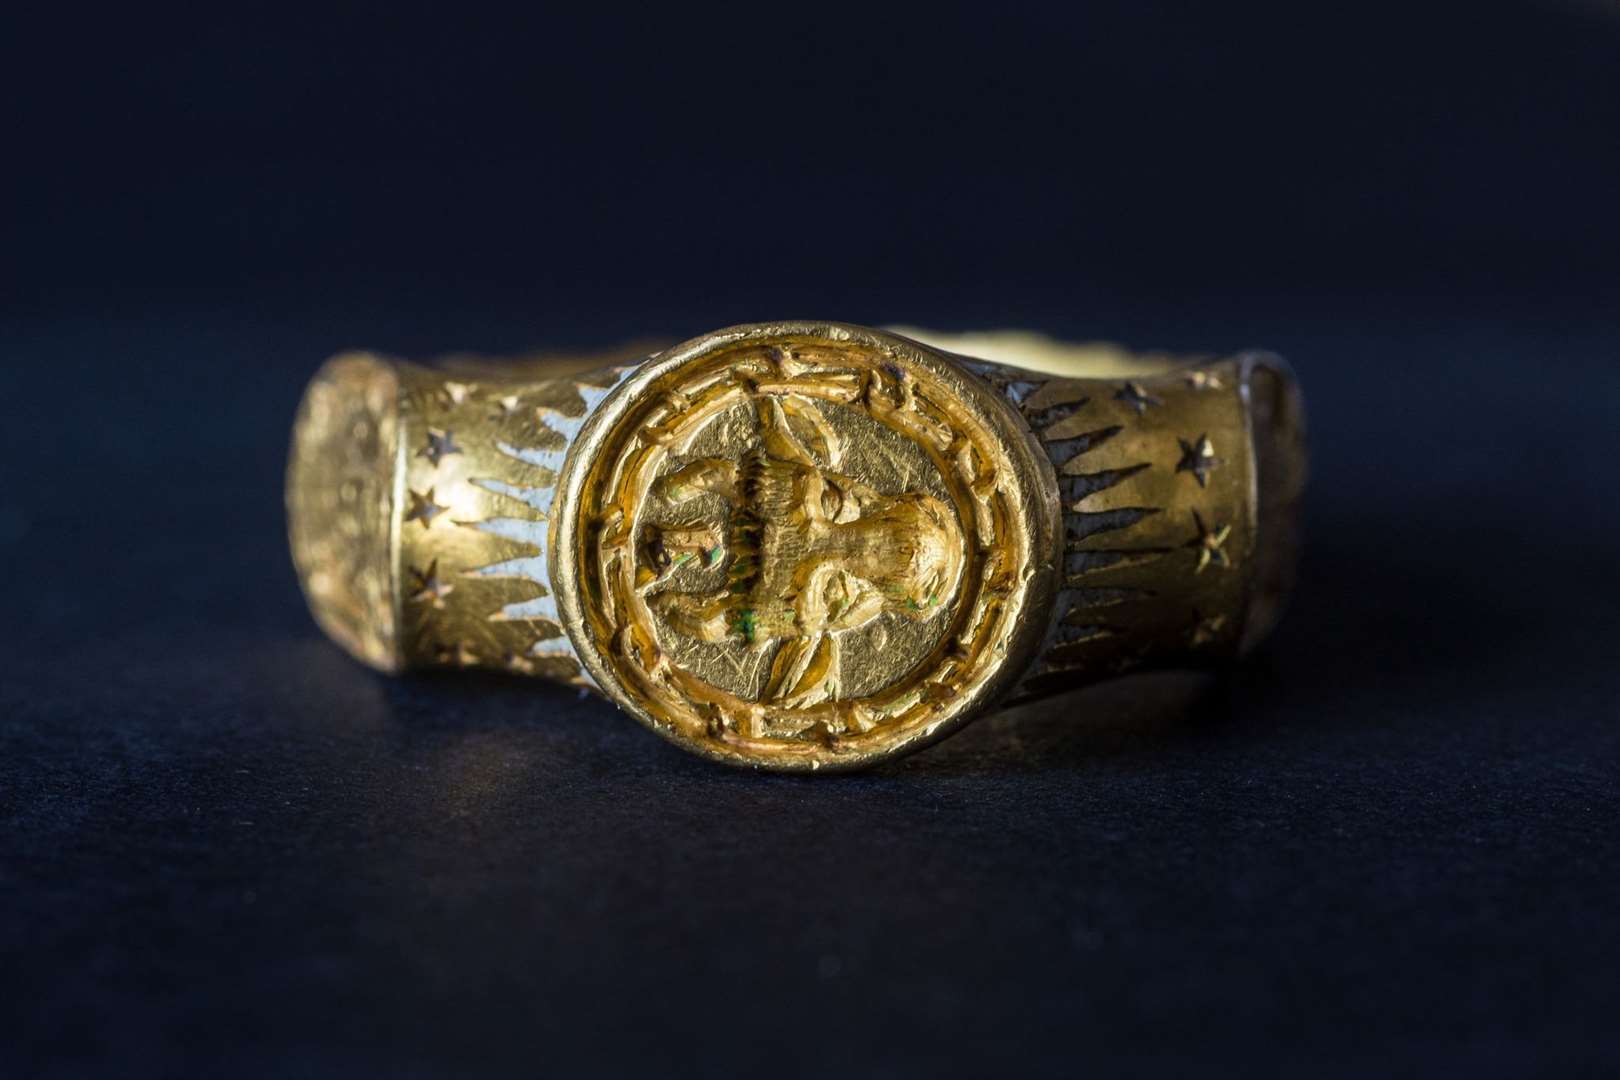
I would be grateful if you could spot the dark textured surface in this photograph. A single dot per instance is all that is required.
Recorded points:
(1386, 846)
(1387, 842)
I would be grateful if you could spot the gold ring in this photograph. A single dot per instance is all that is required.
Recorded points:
(801, 545)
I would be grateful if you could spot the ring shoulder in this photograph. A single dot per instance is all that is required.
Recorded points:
(1180, 484)
(419, 498)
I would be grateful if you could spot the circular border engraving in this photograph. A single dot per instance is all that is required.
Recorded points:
(999, 486)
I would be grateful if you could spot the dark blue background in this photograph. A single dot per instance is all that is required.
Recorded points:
(1386, 846)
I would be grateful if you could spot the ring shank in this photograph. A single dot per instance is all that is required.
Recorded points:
(1282, 466)
(1182, 479)
(419, 500)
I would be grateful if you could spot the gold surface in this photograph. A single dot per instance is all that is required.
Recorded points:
(341, 477)
(801, 545)
(855, 569)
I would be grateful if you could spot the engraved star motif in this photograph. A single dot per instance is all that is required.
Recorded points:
(424, 509)
(1138, 399)
(1203, 380)
(1208, 542)
(1205, 629)
(440, 444)
(1198, 457)
(429, 589)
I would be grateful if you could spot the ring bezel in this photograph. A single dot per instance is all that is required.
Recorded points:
(1024, 486)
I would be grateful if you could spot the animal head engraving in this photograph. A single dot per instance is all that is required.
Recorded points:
(808, 551)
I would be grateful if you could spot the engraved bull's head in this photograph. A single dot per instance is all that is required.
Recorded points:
(809, 551)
